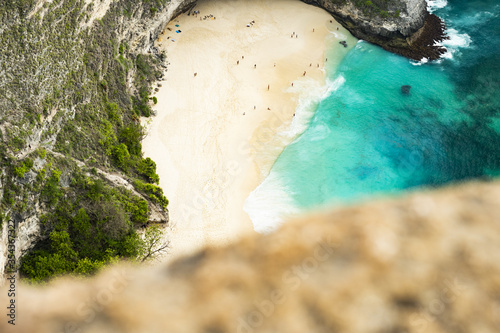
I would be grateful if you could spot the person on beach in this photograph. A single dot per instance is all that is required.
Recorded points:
(310, 65)
(237, 62)
(313, 29)
(195, 74)
(318, 66)
(292, 84)
(267, 87)
(254, 66)
(242, 57)
(304, 73)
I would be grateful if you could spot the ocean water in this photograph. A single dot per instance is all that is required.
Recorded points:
(366, 138)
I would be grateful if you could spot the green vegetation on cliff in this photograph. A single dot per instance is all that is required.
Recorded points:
(72, 93)
(88, 230)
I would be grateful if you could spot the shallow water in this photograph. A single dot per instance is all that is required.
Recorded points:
(367, 138)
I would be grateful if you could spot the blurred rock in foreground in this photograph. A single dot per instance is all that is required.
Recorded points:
(429, 262)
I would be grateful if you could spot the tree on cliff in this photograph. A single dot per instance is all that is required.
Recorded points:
(154, 244)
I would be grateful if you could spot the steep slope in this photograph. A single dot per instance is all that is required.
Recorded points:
(75, 77)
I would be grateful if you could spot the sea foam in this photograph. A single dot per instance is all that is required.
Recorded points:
(310, 94)
(455, 42)
(271, 203)
(432, 5)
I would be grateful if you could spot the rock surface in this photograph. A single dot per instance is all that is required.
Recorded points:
(429, 262)
(403, 26)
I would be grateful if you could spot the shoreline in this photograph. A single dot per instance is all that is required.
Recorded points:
(225, 100)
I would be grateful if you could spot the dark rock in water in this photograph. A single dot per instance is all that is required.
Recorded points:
(405, 89)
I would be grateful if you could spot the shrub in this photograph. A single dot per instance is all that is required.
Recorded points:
(143, 66)
(113, 112)
(51, 191)
(108, 137)
(147, 168)
(20, 171)
(88, 266)
(154, 192)
(140, 212)
(132, 136)
(121, 155)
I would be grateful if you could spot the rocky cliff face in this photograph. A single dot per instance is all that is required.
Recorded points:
(55, 51)
(425, 263)
(410, 17)
(403, 26)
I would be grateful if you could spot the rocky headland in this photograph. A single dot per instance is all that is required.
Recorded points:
(403, 27)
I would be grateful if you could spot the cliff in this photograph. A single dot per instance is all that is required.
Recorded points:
(75, 77)
(428, 262)
(400, 26)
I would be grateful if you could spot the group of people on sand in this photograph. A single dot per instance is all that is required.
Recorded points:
(255, 65)
(255, 108)
(208, 17)
(238, 62)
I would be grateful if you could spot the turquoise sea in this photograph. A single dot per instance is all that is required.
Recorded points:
(368, 139)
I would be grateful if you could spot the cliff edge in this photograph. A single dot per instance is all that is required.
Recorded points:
(428, 262)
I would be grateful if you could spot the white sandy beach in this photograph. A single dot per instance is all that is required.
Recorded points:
(215, 134)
